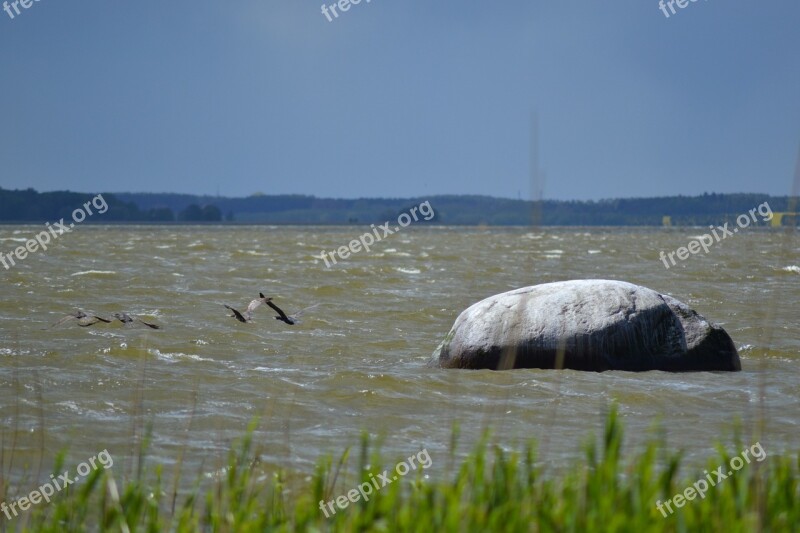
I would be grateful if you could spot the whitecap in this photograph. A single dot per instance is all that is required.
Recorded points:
(72, 406)
(94, 273)
(408, 270)
(270, 369)
(792, 268)
(175, 356)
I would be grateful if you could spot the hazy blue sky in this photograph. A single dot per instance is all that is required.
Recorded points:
(400, 98)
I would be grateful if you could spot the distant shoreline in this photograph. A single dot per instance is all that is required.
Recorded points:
(30, 206)
(224, 224)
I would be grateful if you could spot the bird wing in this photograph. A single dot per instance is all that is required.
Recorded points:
(303, 310)
(278, 310)
(236, 313)
(252, 306)
(148, 324)
(65, 319)
(87, 321)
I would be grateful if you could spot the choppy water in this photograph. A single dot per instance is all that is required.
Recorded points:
(358, 361)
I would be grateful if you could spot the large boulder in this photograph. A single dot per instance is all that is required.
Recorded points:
(585, 325)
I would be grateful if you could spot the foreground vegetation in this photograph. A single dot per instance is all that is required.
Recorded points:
(490, 491)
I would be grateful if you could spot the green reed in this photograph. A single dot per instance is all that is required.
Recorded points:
(491, 490)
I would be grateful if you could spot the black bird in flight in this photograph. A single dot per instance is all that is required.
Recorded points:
(83, 319)
(247, 316)
(127, 319)
(283, 317)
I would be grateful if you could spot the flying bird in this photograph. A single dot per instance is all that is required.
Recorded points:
(247, 316)
(83, 319)
(236, 314)
(283, 317)
(127, 319)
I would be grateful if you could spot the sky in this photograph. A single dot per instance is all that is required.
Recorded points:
(400, 98)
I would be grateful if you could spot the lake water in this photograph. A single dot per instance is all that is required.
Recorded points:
(358, 361)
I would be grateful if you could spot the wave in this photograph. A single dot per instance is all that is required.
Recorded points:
(94, 273)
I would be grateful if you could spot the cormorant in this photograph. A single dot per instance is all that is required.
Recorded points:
(283, 317)
(247, 316)
(126, 319)
(83, 319)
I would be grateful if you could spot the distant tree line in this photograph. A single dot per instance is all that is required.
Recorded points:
(29, 205)
(195, 213)
(475, 210)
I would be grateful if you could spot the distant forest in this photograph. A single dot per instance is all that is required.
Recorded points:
(31, 206)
